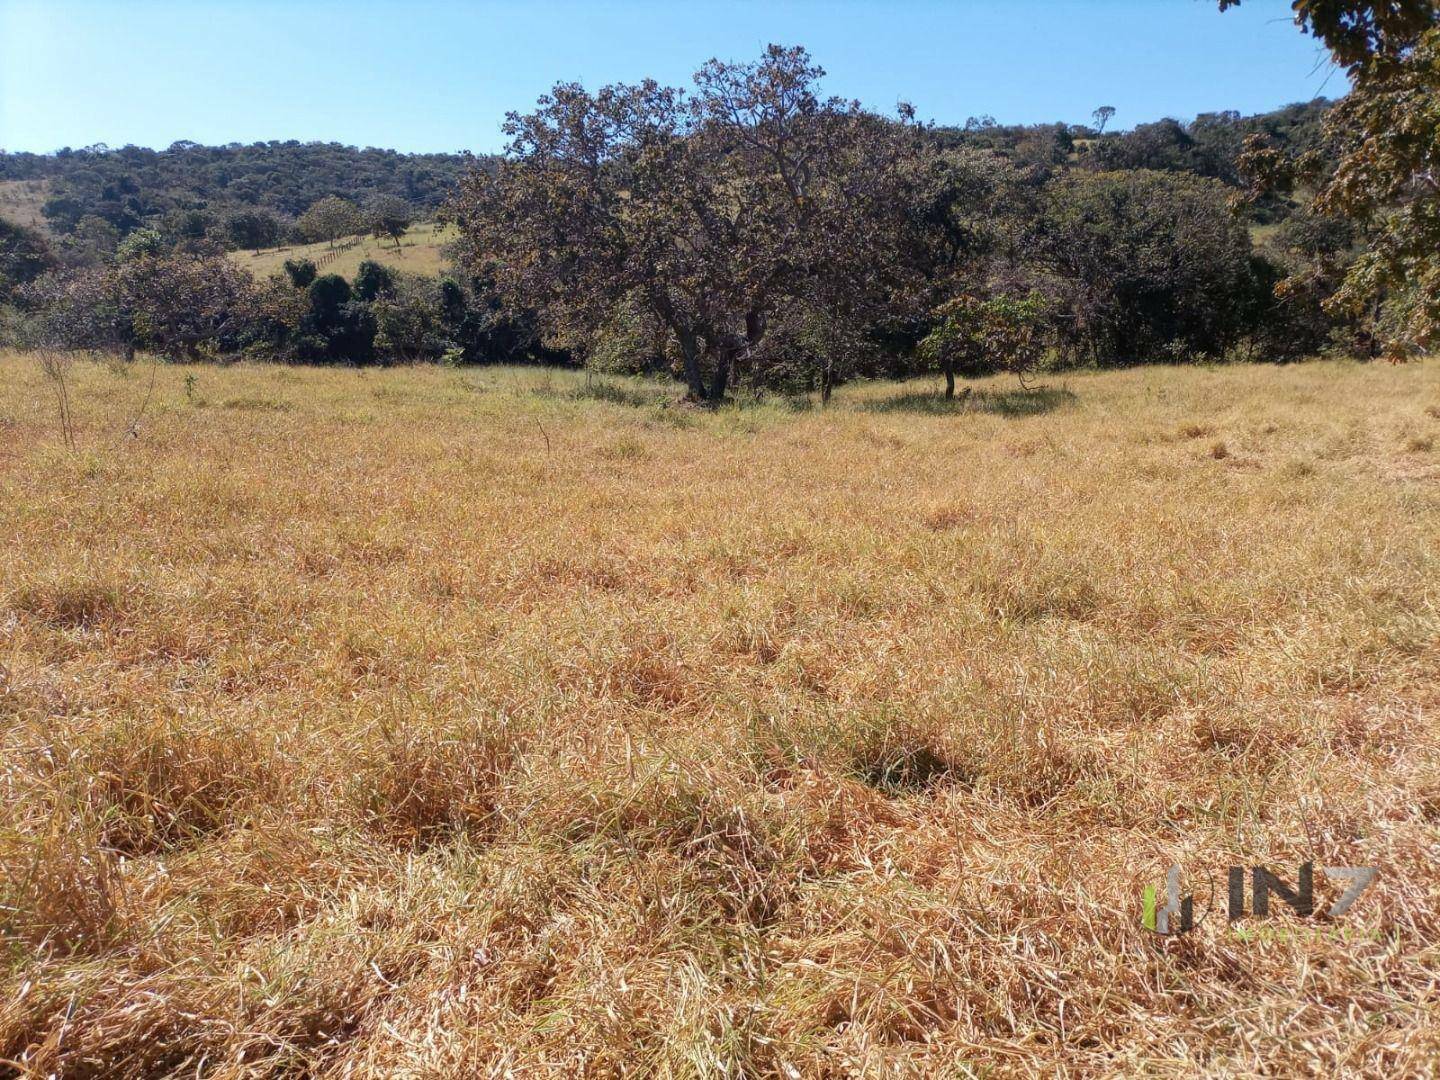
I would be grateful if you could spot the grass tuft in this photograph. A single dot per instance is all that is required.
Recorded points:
(65, 605)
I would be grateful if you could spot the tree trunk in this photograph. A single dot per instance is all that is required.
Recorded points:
(949, 382)
(827, 381)
(721, 377)
(689, 348)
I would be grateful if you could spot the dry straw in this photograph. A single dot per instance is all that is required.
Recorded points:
(352, 729)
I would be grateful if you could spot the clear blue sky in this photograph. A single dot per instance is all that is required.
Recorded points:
(440, 75)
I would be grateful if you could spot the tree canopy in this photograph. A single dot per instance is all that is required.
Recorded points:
(1383, 166)
(706, 209)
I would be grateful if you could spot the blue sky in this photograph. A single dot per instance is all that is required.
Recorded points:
(440, 75)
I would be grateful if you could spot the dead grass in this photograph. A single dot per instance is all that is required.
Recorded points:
(421, 251)
(437, 723)
(21, 202)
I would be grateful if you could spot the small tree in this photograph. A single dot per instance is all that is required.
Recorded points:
(185, 306)
(389, 215)
(372, 279)
(84, 308)
(329, 219)
(253, 229)
(338, 326)
(301, 272)
(1102, 116)
(177, 305)
(408, 322)
(55, 367)
(1000, 333)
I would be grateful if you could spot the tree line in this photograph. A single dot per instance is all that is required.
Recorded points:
(750, 229)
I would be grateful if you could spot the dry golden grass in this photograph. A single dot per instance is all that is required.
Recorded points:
(21, 202)
(490, 722)
(422, 251)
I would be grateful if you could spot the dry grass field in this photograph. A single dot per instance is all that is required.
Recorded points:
(422, 251)
(435, 723)
(21, 200)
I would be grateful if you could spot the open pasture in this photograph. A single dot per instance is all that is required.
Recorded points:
(428, 722)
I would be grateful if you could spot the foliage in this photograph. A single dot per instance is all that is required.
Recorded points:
(1390, 179)
(1384, 143)
(975, 334)
(24, 256)
(301, 272)
(372, 279)
(254, 228)
(184, 306)
(91, 242)
(176, 305)
(709, 211)
(967, 212)
(143, 243)
(631, 342)
(329, 220)
(1144, 265)
(409, 321)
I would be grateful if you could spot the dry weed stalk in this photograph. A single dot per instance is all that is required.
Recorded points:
(55, 366)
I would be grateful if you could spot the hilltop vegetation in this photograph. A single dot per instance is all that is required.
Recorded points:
(189, 185)
(447, 723)
(133, 187)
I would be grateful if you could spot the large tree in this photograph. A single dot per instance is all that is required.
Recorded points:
(707, 210)
(1146, 265)
(1385, 136)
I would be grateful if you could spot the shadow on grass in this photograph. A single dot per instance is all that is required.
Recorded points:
(617, 394)
(1017, 402)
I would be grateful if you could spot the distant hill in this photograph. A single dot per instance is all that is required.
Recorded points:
(1206, 146)
(187, 185)
(84, 201)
